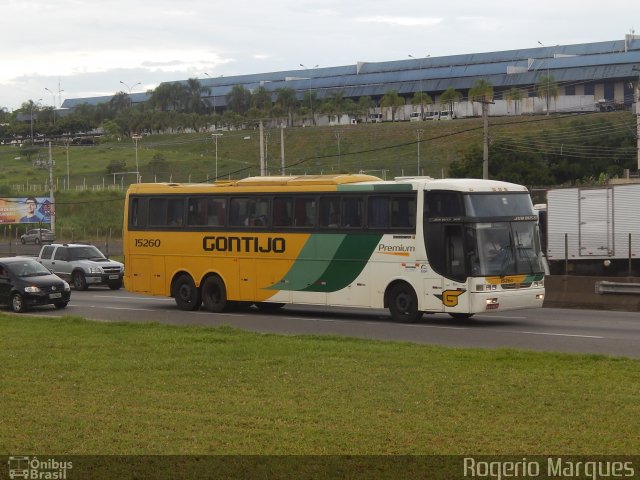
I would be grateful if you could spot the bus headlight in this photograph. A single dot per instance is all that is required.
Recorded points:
(486, 287)
(539, 284)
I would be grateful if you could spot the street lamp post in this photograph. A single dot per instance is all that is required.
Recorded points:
(130, 88)
(420, 61)
(32, 105)
(310, 106)
(54, 100)
(135, 139)
(215, 137)
(212, 96)
(548, 80)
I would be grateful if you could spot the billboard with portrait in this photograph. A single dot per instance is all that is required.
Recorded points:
(25, 210)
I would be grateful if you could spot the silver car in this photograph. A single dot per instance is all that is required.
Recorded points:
(38, 236)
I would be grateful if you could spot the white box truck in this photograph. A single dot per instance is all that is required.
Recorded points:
(594, 230)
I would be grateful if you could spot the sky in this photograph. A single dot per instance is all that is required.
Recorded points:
(51, 50)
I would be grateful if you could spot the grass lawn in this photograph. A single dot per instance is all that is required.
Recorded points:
(70, 386)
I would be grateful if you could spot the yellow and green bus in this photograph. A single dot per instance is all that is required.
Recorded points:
(412, 245)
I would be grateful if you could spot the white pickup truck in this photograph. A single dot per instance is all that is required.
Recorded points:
(82, 265)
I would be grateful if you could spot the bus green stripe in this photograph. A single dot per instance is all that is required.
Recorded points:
(349, 261)
(314, 259)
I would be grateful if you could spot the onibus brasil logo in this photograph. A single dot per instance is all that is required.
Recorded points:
(37, 469)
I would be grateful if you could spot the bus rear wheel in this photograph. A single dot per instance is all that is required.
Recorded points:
(214, 294)
(403, 304)
(185, 293)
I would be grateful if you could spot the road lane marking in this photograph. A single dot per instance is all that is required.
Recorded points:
(562, 335)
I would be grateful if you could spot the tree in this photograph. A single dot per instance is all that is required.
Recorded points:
(392, 100)
(421, 99)
(239, 99)
(120, 101)
(287, 101)
(514, 95)
(365, 104)
(547, 88)
(481, 92)
(168, 96)
(335, 104)
(261, 101)
(193, 96)
(310, 101)
(449, 98)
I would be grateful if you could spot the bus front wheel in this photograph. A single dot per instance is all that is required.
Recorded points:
(185, 293)
(214, 294)
(403, 304)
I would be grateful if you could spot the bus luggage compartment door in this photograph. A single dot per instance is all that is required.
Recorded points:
(431, 300)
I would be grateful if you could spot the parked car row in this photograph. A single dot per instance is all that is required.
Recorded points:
(27, 282)
(38, 236)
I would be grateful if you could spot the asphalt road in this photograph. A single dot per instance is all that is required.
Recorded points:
(547, 329)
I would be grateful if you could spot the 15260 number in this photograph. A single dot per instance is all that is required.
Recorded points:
(147, 242)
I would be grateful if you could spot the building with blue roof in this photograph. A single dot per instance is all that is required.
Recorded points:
(605, 71)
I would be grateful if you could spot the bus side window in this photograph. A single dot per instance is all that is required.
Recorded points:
(378, 212)
(351, 212)
(175, 212)
(238, 214)
(305, 212)
(282, 211)
(197, 209)
(329, 212)
(216, 212)
(133, 215)
(403, 212)
(157, 211)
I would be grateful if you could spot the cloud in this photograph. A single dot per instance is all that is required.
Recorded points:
(401, 21)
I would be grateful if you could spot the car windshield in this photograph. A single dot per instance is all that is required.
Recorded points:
(87, 252)
(28, 268)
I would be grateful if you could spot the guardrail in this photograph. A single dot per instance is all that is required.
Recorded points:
(604, 287)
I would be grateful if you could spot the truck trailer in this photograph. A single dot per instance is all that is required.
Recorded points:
(594, 230)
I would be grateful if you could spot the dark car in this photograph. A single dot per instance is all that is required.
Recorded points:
(25, 283)
(38, 236)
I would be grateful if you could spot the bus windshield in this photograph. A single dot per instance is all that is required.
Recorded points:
(503, 248)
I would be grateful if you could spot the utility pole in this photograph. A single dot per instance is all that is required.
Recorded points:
(282, 147)
(485, 140)
(262, 169)
(419, 133)
(135, 139)
(52, 206)
(215, 137)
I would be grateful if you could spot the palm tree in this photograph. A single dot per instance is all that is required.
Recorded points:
(261, 101)
(310, 102)
(335, 104)
(365, 104)
(514, 95)
(449, 98)
(239, 99)
(193, 96)
(547, 88)
(287, 101)
(422, 99)
(392, 100)
(481, 92)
